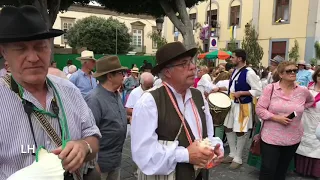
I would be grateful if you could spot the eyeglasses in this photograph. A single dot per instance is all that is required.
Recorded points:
(291, 71)
(184, 64)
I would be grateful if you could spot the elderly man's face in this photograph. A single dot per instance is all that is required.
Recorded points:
(28, 61)
(183, 72)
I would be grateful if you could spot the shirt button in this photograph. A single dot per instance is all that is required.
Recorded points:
(48, 142)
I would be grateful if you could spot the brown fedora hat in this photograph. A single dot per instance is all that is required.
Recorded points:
(170, 52)
(107, 64)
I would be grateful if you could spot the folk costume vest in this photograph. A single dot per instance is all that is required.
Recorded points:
(169, 125)
(241, 84)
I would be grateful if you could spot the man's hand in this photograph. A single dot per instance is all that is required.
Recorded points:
(199, 156)
(215, 89)
(129, 118)
(219, 155)
(237, 94)
(72, 155)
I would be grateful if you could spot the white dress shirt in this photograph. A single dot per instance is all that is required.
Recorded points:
(252, 79)
(134, 97)
(223, 83)
(205, 84)
(152, 157)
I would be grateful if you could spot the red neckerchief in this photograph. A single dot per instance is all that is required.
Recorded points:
(317, 98)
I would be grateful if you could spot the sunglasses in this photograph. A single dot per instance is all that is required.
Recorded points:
(291, 71)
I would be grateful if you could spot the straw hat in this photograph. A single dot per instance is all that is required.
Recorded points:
(86, 55)
(107, 64)
(135, 70)
(301, 62)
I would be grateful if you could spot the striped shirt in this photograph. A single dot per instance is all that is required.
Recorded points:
(16, 135)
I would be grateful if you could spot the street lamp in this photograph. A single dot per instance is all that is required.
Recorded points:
(159, 23)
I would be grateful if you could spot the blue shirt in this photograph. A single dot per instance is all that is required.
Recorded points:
(84, 82)
(304, 77)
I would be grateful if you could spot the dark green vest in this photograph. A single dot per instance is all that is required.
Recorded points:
(169, 124)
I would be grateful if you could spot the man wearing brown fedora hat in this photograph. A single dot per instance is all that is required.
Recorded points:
(110, 115)
(40, 110)
(83, 78)
(170, 122)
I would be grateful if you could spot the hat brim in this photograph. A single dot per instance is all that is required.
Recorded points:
(275, 61)
(95, 75)
(302, 64)
(39, 36)
(85, 58)
(190, 53)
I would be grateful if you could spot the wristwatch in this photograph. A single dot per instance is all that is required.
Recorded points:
(89, 147)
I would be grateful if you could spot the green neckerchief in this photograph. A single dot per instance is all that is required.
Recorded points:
(65, 134)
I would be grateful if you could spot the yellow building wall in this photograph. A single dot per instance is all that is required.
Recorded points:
(127, 20)
(267, 30)
(296, 29)
(223, 19)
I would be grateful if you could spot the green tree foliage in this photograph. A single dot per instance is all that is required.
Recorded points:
(294, 52)
(232, 45)
(100, 35)
(48, 8)
(158, 8)
(157, 38)
(251, 45)
(317, 49)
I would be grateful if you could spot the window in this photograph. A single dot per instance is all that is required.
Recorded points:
(278, 48)
(137, 37)
(235, 15)
(67, 23)
(193, 19)
(282, 11)
(214, 18)
(154, 43)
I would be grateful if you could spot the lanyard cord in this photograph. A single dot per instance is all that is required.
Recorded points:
(29, 108)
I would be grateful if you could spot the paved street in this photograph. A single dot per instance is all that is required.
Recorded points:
(219, 173)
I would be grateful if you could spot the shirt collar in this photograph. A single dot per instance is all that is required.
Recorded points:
(107, 91)
(82, 73)
(176, 94)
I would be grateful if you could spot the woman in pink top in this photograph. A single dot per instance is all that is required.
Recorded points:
(280, 135)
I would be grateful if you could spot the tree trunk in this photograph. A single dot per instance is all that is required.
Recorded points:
(49, 15)
(183, 23)
(188, 38)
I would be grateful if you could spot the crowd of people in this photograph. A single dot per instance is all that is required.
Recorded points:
(82, 116)
(282, 89)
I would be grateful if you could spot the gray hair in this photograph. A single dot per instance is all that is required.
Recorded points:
(72, 69)
(146, 76)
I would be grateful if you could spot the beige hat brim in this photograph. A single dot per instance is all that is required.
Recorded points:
(85, 58)
(95, 75)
